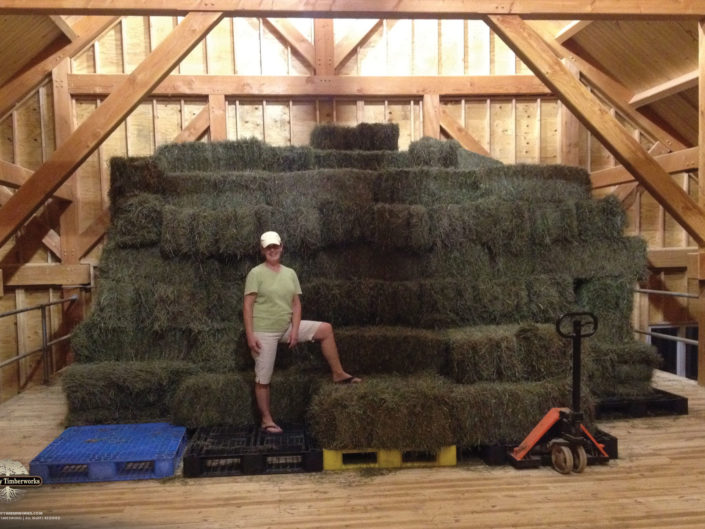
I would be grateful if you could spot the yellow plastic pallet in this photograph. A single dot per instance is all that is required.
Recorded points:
(388, 458)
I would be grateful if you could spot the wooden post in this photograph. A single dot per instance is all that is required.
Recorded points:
(569, 134)
(432, 116)
(700, 308)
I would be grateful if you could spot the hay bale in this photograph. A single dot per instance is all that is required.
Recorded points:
(384, 412)
(472, 160)
(291, 393)
(507, 353)
(549, 296)
(133, 175)
(366, 160)
(400, 226)
(363, 137)
(503, 300)
(391, 350)
(621, 369)
(554, 223)
(600, 219)
(611, 300)
(490, 413)
(500, 225)
(136, 221)
(430, 152)
(484, 353)
(114, 392)
(213, 399)
(427, 186)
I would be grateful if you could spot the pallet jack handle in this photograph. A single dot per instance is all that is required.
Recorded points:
(584, 325)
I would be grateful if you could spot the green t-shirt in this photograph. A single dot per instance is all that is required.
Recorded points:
(275, 292)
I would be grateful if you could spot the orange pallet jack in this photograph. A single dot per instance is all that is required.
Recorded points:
(561, 433)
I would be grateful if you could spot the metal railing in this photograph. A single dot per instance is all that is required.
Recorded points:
(668, 337)
(46, 344)
(666, 293)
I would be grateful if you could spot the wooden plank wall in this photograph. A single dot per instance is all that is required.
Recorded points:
(513, 130)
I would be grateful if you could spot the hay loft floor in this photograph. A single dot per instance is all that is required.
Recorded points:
(659, 481)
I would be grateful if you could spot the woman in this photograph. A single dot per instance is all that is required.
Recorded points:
(272, 315)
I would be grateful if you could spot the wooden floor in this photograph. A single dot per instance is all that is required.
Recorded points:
(658, 482)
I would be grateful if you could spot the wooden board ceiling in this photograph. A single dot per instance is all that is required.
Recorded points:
(23, 37)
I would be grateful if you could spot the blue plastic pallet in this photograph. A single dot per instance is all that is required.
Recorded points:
(112, 452)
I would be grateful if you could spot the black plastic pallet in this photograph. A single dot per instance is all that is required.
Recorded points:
(658, 403)
(497, 454)
(234, 451)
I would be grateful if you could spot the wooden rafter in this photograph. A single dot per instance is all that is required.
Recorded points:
(571, 30)
(88, 29)
(355, 37)
(93, 233)
(613, 91)
(329, 85)
(664, 90)
(106, 118)
(672, 163)
(292, 36)
(196, 128)
(536, 53)
(669, 257)
(14, 176)
(40, 274)
(458, 132)
(324, 47)
(64, 26)
(546, 9)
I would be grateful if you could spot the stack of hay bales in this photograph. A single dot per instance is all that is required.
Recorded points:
(442, 271)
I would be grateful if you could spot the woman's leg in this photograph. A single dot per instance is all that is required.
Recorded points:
(324, 335)
(264, 366)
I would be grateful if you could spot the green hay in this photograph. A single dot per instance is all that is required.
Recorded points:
(430, 152)
(501, 226)
(363, 137)
(113, 392)
(549, 296)
(499, 301)
(401, 227)
(137, 221)
(554, 224)
(472, 160)
(507, 353)
(366, 160)
(611, 300)
(213, 399)
(133, 175)
(620, 370)
(426, 186)
(484, 353)
(384, 412)
(291, 393)
(600, 219)
(492, 413)
(391, 350)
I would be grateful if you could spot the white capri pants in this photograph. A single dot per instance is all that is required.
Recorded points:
(264, 361)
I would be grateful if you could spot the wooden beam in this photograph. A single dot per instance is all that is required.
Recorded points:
(613, 91)
(14, 176)
(355, 37)
(196, 128)
(64, 26)
(292, 36)
(99, 85)
(106, 118)
(569, 137)
(324, 47)
(41, 274)
(537, 54)
(431, 110)
(571, 30)
(93, 233)
(217, 118)
(458, 132)
(660, 258)
(664, 90)
(672, 163)
(88, 29)
(544, 9)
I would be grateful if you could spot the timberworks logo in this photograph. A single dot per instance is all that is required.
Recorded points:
(14, 480)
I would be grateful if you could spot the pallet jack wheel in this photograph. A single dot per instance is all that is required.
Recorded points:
(562, 458)
(580, 459)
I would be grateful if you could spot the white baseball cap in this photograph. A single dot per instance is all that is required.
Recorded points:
(270, 237)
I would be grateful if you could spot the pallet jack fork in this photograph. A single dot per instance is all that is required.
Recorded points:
(561, 433)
